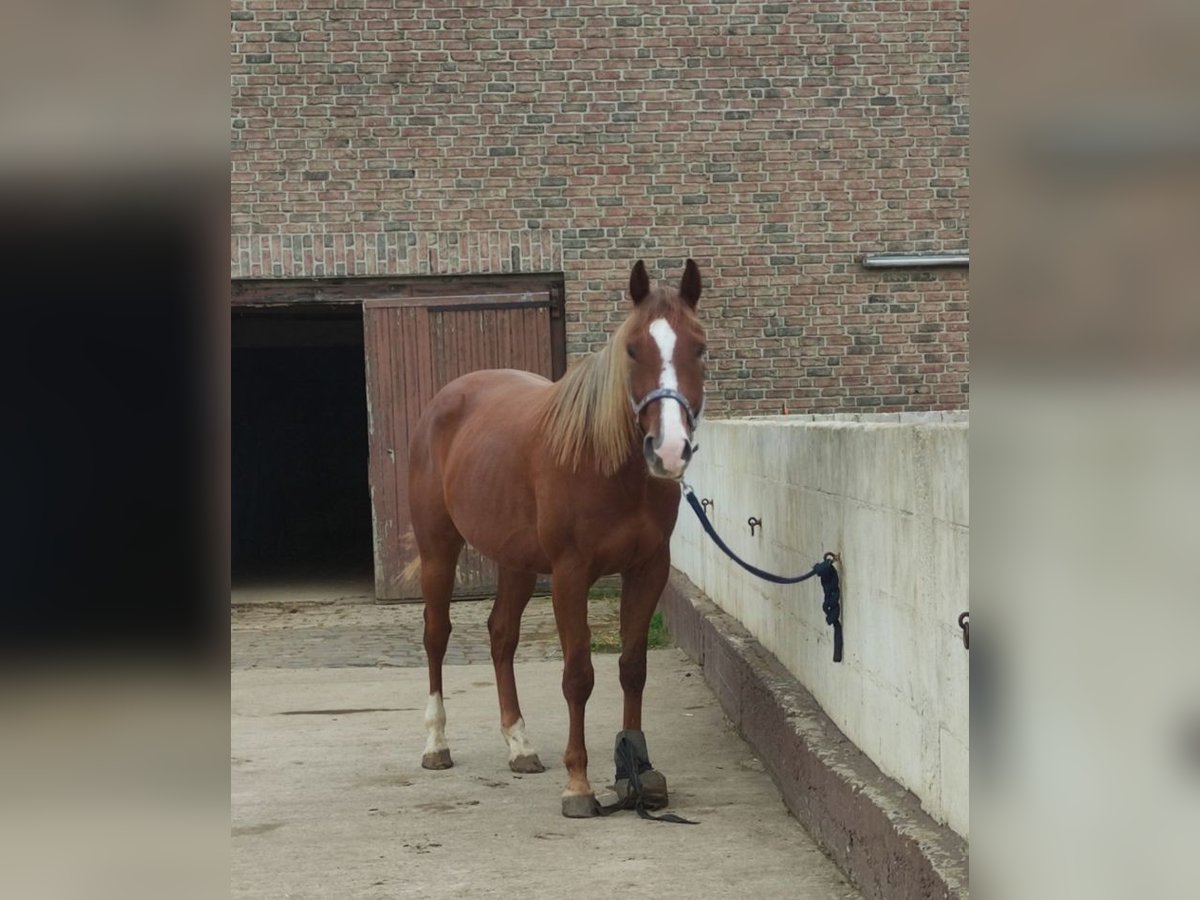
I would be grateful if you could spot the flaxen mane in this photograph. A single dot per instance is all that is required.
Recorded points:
(588, 418)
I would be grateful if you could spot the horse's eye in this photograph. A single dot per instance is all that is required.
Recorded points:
(632, 353)
(701, 352)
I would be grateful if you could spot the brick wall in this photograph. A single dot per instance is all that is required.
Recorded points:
(775, 143)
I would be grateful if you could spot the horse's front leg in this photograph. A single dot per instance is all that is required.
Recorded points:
(641, 588)
(570, 584)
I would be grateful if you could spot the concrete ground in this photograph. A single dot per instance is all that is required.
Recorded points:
(297, 586)
(329, 799)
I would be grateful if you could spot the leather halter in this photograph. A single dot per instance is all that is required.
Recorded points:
(663, 393)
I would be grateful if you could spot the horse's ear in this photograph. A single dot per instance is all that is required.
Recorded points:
(639, 282)
(689, 286)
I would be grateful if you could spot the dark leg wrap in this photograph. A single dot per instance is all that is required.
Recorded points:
(639, 785)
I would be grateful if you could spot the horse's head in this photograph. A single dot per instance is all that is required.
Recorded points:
(665, 344)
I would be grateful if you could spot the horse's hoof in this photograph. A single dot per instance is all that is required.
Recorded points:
(580, 806)
(654, 789)
(438, 760)
(527, 765)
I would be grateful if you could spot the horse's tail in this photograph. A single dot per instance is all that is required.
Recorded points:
(411, 575)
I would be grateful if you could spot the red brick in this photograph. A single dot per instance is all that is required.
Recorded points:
(366, 93)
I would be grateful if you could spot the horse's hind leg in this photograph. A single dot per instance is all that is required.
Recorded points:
(504, 626)
(437, 584)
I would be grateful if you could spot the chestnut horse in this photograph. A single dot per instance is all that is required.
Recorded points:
(575, 479)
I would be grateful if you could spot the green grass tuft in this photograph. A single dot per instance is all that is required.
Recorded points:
(608, 640)
(658, 632)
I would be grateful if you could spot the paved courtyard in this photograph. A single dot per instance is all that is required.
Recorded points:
(329, 799)
(302, 636)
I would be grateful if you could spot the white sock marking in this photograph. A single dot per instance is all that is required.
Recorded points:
(517, 740)
(671, 415)
(435, 723)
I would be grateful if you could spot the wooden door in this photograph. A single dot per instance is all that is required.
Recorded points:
(414, 346)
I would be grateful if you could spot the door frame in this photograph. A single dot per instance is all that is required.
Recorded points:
(303, 292)
(414, 291)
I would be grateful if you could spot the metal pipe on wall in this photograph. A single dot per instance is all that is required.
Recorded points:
(915, 260)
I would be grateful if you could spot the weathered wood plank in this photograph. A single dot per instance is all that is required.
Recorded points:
(414, 347)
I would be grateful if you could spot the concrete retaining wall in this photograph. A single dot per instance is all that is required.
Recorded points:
(889, 493)
(869, 825)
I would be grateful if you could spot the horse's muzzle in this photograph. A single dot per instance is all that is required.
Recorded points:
(667, 462)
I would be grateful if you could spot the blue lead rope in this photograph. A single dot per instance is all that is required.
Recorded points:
(825, 570)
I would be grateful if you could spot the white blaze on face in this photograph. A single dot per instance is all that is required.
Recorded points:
(435, 723)
(672, 425)
(517, 740)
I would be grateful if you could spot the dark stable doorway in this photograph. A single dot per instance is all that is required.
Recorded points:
(301, 505)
